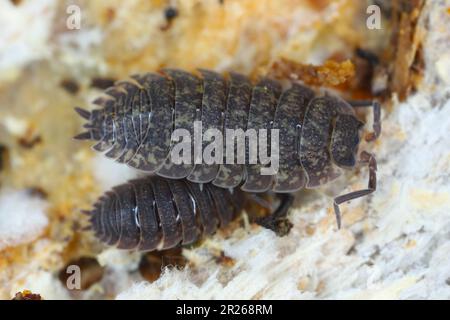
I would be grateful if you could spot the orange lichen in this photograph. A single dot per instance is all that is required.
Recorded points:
(319, 5)
(331, 73)
(27, 295)
(224, 260)
(110, 14)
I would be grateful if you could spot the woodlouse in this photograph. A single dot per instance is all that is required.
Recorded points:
(320, 135)
(157, 213)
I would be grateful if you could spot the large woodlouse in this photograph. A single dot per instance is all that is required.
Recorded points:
(157, 213)
(319, 135)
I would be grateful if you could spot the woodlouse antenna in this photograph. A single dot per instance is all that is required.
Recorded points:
(365, 158)
(376, 117)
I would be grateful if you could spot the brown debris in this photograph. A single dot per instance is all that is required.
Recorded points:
(91, 272)
(330, 74)
(16, 2)
(70, 85)
(366, 82)
(406, 62)
(29, 142)
(224, 260)
(102, 83)
(398, 70)
(153, 263)
(4, 155)
(29, 138)
(110, 14)
(367, 55)
(170, 13)
(385, 6)
(27, 295)
(38, 192)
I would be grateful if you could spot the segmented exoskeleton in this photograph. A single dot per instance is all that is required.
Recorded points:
(319, 135)
(157, 213)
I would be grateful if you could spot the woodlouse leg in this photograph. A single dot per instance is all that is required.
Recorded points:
(365, 158)
(277, 221)
(376, 116)
(255, 197)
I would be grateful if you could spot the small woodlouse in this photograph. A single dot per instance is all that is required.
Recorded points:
(319, 135)
(155, 213)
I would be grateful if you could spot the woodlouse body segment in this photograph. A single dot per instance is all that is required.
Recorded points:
(345, 140)
(289, 121)
(314, 144)
(157, 213)
(154, 148)
(236, 117)
(212, 110)
(188, 95)
(261, 114)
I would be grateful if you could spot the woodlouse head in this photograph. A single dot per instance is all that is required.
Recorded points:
(345, 140)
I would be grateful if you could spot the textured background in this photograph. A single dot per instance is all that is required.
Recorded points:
(394, 244)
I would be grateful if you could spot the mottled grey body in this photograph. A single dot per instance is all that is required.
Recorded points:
(157, 213)
(318, 135)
